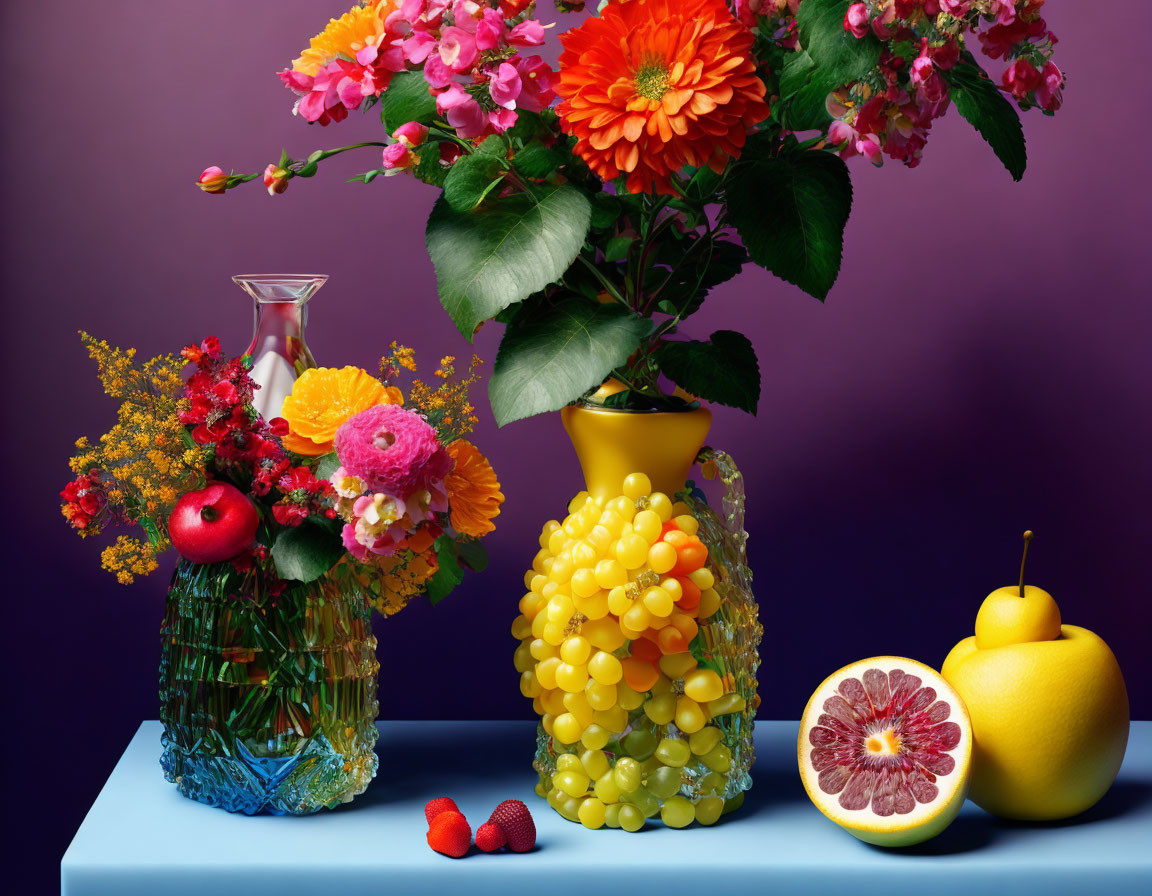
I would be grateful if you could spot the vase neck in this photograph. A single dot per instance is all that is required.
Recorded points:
(278, 350)
(612, 444)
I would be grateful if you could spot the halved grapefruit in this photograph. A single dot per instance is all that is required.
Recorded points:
(884, 750)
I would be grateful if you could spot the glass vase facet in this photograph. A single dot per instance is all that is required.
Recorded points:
(267, 700)
(671, 736)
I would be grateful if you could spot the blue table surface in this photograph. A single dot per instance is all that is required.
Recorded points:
(142, 837)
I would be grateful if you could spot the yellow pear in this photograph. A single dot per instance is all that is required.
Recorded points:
(1048, 705)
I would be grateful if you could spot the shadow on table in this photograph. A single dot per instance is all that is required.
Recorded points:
(1123, 798)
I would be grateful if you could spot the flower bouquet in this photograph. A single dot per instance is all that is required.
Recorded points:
(591, 208)
(289, 530)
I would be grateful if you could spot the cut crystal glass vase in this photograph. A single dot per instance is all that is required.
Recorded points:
(267, 696)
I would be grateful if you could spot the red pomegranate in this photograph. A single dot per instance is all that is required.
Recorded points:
(213, 524)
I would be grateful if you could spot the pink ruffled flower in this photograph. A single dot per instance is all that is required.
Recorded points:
(504, 85)
(393, 450)
(536, 82)
(397, 157)
(411, 134)
(856, 20)
(213, 180)
(527, 34)
(462, 111)
(418, 47)
(490, 30)
(458, 49)
(956, 8)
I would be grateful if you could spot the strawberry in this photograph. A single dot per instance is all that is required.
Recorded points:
(490, 837)
(515, 820)
(450, 834)
(438, 805)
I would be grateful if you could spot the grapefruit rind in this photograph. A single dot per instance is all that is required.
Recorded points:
(926, 819)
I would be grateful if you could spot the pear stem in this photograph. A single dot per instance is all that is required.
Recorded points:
(1024, 559)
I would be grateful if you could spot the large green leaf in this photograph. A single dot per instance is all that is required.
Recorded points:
(723, 370)
(804, 89)
(559, 354)
(406, 99)
(980, 102)
(842, 55)
(470, 180)
(306, 552)
(503, 252)
(790, 211)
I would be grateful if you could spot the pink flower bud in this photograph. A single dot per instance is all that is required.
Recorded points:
(1021, 78)
(397, 157)
(1049, 93)
(504, 85)
(213, 180)
(411, 134)
(956, 8)
(856, 20)
(869, 147)
(276, 179)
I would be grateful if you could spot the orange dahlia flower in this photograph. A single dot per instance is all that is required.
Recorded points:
(652, 86)
(324, 399)
(474, 495)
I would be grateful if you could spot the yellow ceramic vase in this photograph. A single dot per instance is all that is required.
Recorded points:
(638, 631)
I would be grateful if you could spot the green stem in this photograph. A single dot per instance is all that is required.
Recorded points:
(609, 287)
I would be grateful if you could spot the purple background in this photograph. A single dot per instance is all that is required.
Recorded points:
(982, 366)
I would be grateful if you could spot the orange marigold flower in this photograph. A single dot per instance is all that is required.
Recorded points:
(474, 495)
(324, 399)
(652, 86)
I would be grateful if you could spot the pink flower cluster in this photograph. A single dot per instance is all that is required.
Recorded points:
(891, 112)
(390, 484)
(468, 52)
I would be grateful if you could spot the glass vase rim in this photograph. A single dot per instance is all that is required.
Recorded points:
(583, 405)
(304, 285)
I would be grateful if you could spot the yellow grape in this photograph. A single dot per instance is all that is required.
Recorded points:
(663, 782)
(553, 700)
(546, 532)
(592, 813)
(551, 632)
(615, 718)
(594, 607)
(612, 815)
(557, 540)
(538, 582)
(702, 578)
(709, 809)
(600, 538)
(595, 763)
(689, 717)
(530, 685)
(583, 583)
(578, 705)
(673, 751)
(610, 574)
(646, 524)
(733, 804)
(584, 555)
(521, 627)
(637, 617)
(578, 501)
(541, 649)
(661, 709)
(573, 527)
(704, 740)
(658, 602)
(677, 665)
(648, 766)
(595, 737)
(546, 721)
(726, 704)
(522, 659)
(662, 686)
(624, 507)
(640, 743)
(631, 819)
(538, 705)
(661, 557)
(612, 522)
(704, 685)
(677, 812)
(684, 520)
(605, 668)
(709, 603)
(606, 788)
(659, 622)
(644, 801)
(719, 758)
(627, 698)
(627, 774)
(528, 577)
(619, 602)
(673, 587)
(562, 569)
(632, 551)
(567, 762)
(714, 782)
(575, 650)
(573, 783)
(600, 696)
(538, 560)
(530, 604)
(566, 729)
(550, 589)
(546, 671)
(636, 485)
(560, 608)
(660, 504)
(571, 678)
(604, 634)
